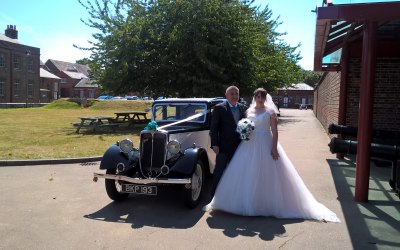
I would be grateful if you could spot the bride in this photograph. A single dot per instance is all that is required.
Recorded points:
(260, 180)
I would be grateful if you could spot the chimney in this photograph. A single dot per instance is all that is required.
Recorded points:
(11, 32)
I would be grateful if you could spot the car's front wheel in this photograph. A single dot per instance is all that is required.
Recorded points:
(193, 193)
(114, 188)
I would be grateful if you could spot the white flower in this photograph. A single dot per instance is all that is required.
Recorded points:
(244, 128)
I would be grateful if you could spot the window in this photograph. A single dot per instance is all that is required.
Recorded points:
(17, 62)
(63, 80)
(2, 87)
(2, 60)
(297, 99)
(30, 89)
(91, 93)
(30, 64)
(17, 89)
(179, 111)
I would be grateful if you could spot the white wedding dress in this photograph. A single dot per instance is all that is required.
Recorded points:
(254, 184)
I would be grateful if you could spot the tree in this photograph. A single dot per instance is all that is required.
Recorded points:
(188, 47)
(311, 77)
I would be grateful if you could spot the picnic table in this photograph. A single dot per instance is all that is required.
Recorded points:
(131, 117)
(96, 122)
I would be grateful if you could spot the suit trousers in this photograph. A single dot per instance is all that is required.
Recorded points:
(221, 161)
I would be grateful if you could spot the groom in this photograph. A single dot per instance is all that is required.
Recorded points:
(224, 138)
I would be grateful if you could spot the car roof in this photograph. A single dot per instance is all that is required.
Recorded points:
(168, 100)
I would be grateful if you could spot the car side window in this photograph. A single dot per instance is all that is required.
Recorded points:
(179, 111)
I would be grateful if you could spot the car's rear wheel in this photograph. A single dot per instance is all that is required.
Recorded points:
(114, 188)
(193, 193)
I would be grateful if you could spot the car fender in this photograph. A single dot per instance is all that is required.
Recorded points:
(112, 157)
(187, 163)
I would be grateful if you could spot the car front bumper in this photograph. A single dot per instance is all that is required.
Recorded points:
(144, 181)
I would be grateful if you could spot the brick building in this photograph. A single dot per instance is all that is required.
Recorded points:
(49, 84)
(74, 77)
(339, 87)
(357, 47)
(19, 69)
(294, 96)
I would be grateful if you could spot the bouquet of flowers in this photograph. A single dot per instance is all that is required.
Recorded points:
(244, 128)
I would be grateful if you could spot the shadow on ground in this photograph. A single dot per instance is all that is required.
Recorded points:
(287, 119)
(373, 224)
(167, 210)
(234, 225)
(123, 129)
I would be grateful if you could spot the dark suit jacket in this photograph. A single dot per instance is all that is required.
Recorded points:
(223, 128)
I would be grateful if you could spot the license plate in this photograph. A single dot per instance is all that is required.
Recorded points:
(139, 189)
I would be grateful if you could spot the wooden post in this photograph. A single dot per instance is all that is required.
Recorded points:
(365, 110)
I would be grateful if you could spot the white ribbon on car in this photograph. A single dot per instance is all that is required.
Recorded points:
(184, 120)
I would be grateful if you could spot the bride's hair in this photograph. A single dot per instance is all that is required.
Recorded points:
(260, 91)
(269, 103)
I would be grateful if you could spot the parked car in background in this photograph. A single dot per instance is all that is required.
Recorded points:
(176, 153)
(118, 98)
(104, 97)
(133, 97)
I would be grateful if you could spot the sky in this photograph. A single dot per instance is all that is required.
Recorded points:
(54, 26)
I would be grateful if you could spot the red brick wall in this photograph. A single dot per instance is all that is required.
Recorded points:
(353, 92)
(387, 95)
(22, 75)
(386, 109)
(326, 99)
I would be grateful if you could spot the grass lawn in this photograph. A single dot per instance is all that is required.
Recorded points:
(47, 132)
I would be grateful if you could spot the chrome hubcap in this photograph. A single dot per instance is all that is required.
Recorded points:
(197, 181)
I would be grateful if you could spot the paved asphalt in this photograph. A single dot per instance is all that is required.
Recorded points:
(68, 211)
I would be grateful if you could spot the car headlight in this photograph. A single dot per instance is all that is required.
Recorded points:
(174, 147)
(126, 145)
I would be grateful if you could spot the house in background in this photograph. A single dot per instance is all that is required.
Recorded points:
(74, 79)
(85, 88)
(293, 97)
(19, 69)
(24, 78)
(49, 85)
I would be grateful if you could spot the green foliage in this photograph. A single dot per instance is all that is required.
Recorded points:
(70, 103)
(62, 104)
(187, 47)
(312, 77)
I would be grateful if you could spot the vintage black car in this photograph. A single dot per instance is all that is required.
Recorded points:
(176, 153)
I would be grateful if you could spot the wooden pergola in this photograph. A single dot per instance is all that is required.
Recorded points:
(369, 30)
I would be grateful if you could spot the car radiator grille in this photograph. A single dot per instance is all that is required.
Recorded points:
(152, 152)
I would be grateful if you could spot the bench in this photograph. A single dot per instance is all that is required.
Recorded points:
(95, 123)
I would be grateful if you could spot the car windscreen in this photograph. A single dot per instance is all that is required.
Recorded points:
(192, 112)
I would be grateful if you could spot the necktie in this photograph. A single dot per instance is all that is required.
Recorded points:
(233, 108)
